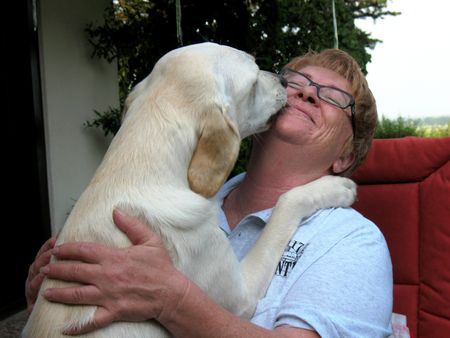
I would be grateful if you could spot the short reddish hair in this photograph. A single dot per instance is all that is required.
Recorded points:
(365, 106)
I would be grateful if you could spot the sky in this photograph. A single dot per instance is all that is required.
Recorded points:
(410, 70)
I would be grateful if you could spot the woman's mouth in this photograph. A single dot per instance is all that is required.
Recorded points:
(298, 112)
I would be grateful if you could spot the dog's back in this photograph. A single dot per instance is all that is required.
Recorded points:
(152, 166)
(156, 202)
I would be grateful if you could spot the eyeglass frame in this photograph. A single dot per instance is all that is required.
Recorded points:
(318, 87)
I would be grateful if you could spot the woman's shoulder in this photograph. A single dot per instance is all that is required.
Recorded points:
(344, 224)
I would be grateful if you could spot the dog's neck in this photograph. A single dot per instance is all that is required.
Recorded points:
(145, 151)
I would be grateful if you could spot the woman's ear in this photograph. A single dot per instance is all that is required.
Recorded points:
(343, 162)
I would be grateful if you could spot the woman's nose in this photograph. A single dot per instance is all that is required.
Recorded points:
(308, 94)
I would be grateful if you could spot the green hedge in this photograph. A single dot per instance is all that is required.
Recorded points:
(401, 127)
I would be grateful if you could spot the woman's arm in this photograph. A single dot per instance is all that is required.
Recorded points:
(140, 283)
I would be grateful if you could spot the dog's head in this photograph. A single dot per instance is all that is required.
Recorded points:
(230, 98)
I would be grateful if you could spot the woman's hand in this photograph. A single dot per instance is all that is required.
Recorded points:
(35, 277)
(132, 284)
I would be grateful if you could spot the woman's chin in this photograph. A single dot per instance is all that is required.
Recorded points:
(296, 132)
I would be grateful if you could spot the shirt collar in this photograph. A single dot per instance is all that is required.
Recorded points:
(262, 214)
(224, 191)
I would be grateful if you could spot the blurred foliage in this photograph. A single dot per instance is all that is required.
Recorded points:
(108, 121)
(244, 154)
(435, 131)
(136, 33)
(401, 127)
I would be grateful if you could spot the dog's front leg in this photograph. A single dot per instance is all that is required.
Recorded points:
(259, 265)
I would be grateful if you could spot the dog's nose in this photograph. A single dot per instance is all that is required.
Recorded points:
(283, 81)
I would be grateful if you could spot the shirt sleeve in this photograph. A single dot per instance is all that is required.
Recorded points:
(346, 292)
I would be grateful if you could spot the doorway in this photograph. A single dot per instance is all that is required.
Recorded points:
(25, 221)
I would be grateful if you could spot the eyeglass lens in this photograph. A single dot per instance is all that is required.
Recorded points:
(331, 95)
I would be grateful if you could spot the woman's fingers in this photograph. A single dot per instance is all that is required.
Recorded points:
(81, 251)
(33, 286)
(32, 290)
(137, 231)
(72, 272)
(78, 295)
(49, 244)
(35, 278)
(42, 260)
(115, 280)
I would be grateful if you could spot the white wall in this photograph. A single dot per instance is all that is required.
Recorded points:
(74, 84)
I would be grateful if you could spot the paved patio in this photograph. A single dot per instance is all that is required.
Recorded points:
(12, 326)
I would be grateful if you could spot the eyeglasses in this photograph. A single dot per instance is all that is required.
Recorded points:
(331, 95)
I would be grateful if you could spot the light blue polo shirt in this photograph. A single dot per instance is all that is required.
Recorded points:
(335, 276)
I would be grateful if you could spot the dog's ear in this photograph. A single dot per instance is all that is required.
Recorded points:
(215, 155)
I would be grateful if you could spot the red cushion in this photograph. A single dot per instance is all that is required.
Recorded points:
(404, 187)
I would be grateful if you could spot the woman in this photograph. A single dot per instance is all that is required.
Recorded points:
(335, 277)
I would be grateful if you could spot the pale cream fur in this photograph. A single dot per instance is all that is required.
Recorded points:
(165, 164)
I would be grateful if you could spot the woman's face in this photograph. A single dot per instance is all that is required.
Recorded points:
(309, 121)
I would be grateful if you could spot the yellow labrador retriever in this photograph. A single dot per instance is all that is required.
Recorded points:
(178, 142)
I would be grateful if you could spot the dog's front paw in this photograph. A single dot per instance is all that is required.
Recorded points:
(325, 192)
(331, 191)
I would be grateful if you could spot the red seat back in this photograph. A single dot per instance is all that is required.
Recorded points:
(404, 187)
